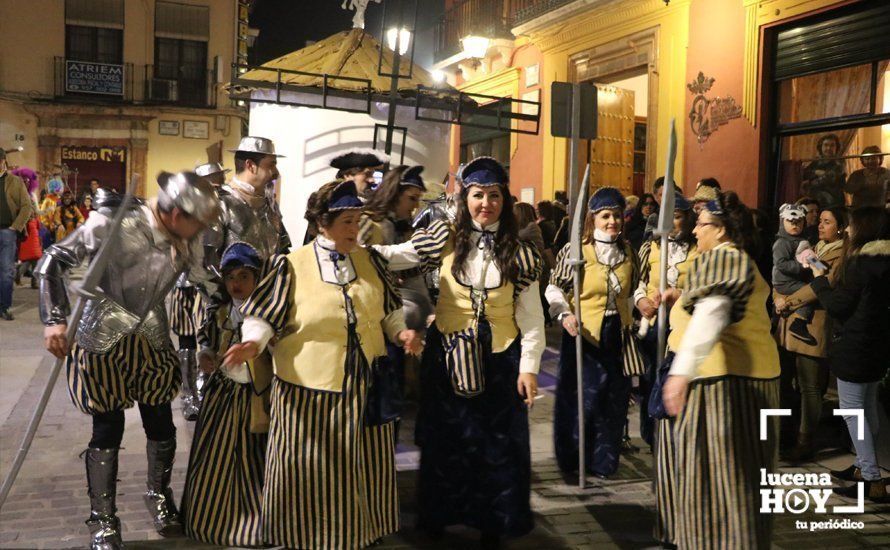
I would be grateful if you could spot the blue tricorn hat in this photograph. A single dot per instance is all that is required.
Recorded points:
(411, 176)
(240, 254)
(344, 197)
(484, 171)
(606, 197)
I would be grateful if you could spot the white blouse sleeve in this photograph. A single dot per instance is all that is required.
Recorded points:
(557, 299)
(400, 256)
(710, 317)
(254, 329)
(530, 320)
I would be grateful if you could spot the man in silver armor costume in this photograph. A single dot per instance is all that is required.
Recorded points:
(187, 305)
(122, 352)
(248, 213)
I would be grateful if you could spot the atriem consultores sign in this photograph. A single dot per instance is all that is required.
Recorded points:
(94, 78)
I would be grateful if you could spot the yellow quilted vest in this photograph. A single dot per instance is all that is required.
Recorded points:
(745, 348)
(594, 293)
(312, 352)
(655, 268)
(454, 311)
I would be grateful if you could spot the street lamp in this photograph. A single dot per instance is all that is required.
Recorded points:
(403, 36)
(475, 46)
(438, 76)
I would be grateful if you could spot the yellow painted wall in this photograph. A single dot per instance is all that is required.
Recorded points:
(174, 153)
(33, 33)
(594, 29)
(14, 120)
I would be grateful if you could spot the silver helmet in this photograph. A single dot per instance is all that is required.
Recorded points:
(190, 193)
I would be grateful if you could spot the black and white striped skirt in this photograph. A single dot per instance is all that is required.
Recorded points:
(719, 457)
(222, 499)
(330, 478)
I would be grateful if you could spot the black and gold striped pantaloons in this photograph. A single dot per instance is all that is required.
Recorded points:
(719, 457)
(130, 371)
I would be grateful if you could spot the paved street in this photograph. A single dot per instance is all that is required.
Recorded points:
(48, 504)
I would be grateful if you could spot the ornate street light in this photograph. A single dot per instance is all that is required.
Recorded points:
(403, 37)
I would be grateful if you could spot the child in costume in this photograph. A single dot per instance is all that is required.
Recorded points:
(224, 484)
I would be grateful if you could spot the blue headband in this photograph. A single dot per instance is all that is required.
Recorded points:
(240, 254)
(714, 207)
(411, 177)
(345, 197)
(484, 171)
(606, 197)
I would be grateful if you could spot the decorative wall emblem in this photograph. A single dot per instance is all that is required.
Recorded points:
(707, 115)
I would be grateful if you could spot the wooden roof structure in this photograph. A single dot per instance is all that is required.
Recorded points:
(353, 55)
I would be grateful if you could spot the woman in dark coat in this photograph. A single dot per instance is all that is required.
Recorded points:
(860, 307)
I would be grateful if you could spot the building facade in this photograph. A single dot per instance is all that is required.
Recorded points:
(753, 85)
(110, 88)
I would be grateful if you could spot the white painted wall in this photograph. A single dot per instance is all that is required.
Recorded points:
(310, 137)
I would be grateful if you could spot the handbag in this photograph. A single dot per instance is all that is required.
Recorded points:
(656, 405)
(385, 396)
(463, 360)
(30, 248)
(633, 363)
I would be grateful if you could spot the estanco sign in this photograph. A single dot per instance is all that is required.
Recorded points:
(94, 78)
(95, 154)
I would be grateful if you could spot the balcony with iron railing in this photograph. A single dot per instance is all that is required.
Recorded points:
(126, 83)
(522, 11)
(489, 18)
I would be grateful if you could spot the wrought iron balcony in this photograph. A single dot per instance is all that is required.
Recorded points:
(522, 11)
(489, 18)
(90, 82)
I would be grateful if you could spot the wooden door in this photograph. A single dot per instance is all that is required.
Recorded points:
(612, 152)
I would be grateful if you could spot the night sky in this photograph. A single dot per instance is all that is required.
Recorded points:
(287, 25)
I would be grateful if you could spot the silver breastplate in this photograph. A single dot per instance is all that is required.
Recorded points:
(133, 288)
(258, 227)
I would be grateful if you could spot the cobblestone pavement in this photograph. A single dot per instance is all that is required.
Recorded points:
(48, 504)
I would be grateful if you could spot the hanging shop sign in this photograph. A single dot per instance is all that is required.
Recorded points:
(94, 78)
(708, 114)
(95, 154)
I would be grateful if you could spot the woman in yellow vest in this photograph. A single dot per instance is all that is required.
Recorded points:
(479, 372)
(386, 220)
(611, 274)
(724, 373)
(655, 428)
(222, 499)
(681, 252)
(330, 477)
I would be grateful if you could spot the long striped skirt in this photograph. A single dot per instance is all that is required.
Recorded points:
(222, 499)
(130, 371)
(330, 478)
(186, 310)
(475, 461)
(719, 457)
(665, 483)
